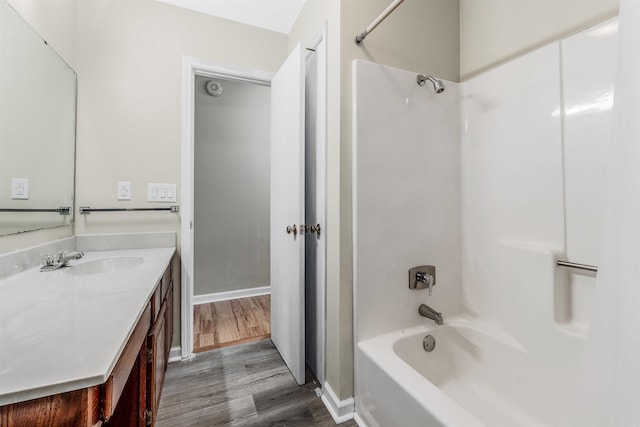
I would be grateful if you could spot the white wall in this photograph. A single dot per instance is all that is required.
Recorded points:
(55, 21)
(495, 31)
(128, 57)
(129, 105)
(231, 187)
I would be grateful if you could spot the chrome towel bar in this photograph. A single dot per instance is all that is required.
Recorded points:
(585, 267)
(62, 210)
(85, 210)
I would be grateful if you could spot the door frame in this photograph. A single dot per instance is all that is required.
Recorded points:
(191, 67)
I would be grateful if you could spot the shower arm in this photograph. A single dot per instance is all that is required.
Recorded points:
(360, 37)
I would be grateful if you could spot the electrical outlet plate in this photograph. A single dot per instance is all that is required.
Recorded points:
(161, 193)
(124, 190)
(20, 188)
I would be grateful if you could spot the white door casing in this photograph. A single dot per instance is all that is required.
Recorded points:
(287, 210)
(190, 68)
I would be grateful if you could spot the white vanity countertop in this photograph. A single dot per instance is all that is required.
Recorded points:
(61, 332)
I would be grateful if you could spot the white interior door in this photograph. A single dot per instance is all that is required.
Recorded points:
(287, 210)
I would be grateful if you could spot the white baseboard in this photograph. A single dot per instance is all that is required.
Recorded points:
(340, 410)
(229, 295)
(359, 420)
(175, 355)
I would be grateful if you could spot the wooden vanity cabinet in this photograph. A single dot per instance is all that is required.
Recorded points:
(159, 345)
(139, 402)
(121, 401)
(130, 396)
(74, 408)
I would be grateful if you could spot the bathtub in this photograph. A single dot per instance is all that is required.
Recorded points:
(477, 375)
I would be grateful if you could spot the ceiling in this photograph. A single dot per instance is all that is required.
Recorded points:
(275, 15)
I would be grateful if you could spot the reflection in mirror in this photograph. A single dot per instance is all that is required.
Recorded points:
(37, 129)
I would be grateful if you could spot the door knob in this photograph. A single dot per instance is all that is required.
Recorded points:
(312, 229)
(292, 229)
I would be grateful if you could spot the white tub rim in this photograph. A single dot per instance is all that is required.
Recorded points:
(380, 350)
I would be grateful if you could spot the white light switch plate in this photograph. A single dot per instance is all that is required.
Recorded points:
(161, 193)
(124, 190)
(20, 188)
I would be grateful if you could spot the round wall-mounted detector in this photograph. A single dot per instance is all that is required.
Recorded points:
(213, 88)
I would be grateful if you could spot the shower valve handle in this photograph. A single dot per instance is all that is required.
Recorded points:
(422, 277)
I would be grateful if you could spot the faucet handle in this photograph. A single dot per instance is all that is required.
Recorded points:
(427, 278)
(48, 260)
(422, 277)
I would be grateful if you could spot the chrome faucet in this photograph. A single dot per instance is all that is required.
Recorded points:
(62, 260)
(428, 312)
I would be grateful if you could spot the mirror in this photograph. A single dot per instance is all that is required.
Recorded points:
(37, 130)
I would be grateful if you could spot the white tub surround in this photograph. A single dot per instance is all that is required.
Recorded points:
(406, 197)
(61, 332)
(532, 159)
(406, 203)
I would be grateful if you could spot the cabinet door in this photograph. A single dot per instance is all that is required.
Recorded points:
(130, 410)
(169, 321)
(158, 363)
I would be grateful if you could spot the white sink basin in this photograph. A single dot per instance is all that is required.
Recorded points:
(105, 265)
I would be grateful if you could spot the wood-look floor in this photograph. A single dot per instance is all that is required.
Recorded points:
(224, 323)
(243, 385)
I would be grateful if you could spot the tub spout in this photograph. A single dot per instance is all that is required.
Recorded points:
(428, 312)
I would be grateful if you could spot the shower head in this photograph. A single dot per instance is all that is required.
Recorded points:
(438, 86)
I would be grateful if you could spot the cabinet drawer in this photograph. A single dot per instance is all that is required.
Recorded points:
(112, 390)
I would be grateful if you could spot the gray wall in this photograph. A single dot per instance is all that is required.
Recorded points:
(231, 181)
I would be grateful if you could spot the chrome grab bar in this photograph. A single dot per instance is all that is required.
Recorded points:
(575, 265)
